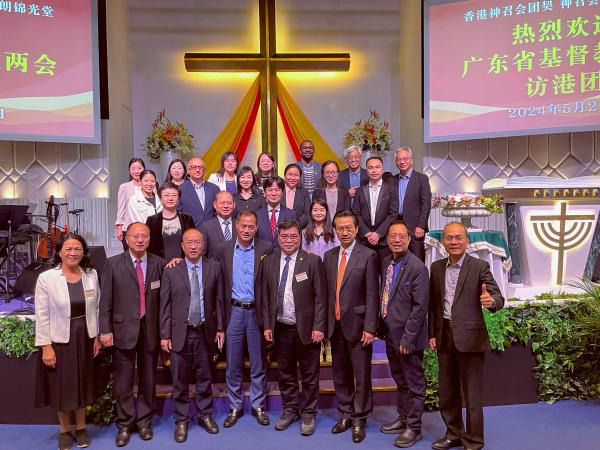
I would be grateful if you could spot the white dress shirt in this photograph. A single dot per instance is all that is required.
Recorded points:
(374, 191)
(289, 309)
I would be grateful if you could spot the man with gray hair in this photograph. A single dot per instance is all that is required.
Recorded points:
(414, 199)
(354, 176)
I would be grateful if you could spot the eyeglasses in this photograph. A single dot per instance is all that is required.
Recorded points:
(195, 242)
(399, 236)
(197, 167)
(330, 172)
(289, 237)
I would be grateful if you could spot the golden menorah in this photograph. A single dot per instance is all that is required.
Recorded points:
(572, 231)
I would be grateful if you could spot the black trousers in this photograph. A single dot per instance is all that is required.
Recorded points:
(290, 351)
(461, 370)
(417, 247)
(192, 363)
(407, 372)
(124, 363)
(351, 376)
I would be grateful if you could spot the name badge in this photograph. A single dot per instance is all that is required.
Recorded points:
(90, 292)
(301, 277)
(155, 284)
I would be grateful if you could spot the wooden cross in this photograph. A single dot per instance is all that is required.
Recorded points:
(267, 62)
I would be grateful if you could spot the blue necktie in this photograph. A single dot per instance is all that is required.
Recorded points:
(227, 232)
(281, 289)
(195, 307)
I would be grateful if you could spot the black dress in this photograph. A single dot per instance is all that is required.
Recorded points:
(71, 384)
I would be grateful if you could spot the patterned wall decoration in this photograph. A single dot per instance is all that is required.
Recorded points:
(464, 166)
(76, 174)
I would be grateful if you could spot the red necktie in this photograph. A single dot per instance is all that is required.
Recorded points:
(273, 222)
(141, 288)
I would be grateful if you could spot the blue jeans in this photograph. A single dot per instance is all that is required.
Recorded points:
(242, 328)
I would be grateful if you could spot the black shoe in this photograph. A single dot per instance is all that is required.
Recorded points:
(341, 426)
(146, 433)
(82, 438)
(209, 424)
(123, 436)
(397, 426)
(358, 433)
(285, 420)
(65, 441)
(307, 427)
(445, 443)
(261, 416)
(232, 417)
(181, 431)
(407, 438)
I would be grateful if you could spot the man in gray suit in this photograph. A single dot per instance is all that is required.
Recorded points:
(191, 322)
(460, 287)
(221, 228)
(414, 199)
(403, 324)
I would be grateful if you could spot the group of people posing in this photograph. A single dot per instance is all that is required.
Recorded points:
(249, 263)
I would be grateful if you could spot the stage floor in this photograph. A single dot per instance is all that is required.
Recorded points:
(566, 425)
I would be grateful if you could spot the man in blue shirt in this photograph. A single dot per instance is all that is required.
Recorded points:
(414, 200)
(240, 261)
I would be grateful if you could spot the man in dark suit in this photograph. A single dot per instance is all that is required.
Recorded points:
(128, 319)
(352, 276)
(191, 321)
(294, 303)
(295, 197)
(219, 229)
(197, 195)
(414, 199)
(240, 261)
(460, 286)
(354, 176)
(376, 206)
(403, 323)
(274, 212)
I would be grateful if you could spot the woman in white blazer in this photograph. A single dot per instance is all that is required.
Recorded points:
(145, 202)
(126, 191)
(66, 329)
(226, 177)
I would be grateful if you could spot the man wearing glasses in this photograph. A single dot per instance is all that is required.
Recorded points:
(354, 176)
(197, 195)
(191, 324)
(404, 302)
(128, 319)
(414, 199)
(294, 307)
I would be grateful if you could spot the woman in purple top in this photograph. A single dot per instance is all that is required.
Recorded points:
(318, 236)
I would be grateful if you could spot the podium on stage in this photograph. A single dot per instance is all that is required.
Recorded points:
(552, 227)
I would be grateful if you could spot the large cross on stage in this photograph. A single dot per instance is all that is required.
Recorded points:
(267, 62)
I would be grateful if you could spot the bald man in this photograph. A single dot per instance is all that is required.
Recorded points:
(197, 195)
